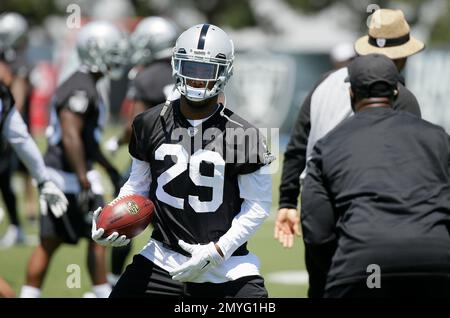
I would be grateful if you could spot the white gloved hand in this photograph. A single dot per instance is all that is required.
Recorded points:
(203, 257)
(112, 240)
(112, 145)
(52, 198)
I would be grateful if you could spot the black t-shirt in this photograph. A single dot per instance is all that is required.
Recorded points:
(378, 185)
(152, 84)
(194, 182)
(79, 95)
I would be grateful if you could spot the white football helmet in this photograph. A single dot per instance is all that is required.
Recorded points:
(202, 53)
(153, 39)
(13, 30)
(102, 47)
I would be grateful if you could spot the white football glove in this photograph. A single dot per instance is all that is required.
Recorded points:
(203, 257)
(112, 145)
(52, 197)
(113, 240)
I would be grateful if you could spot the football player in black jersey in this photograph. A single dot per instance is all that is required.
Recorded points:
(152, 82)
(13, 132)
(208, 183)
(77, 117)
(14, 73)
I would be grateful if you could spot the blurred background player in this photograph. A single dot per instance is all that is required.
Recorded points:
(151, 84)
(15, 74)
(151, 77)
(206, 208)
(13, 132)
(77, 118)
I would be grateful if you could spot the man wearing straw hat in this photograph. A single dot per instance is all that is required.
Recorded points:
(327, 105)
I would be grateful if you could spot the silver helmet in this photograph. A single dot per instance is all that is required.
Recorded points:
(204, 53)
(152, 39)
(13, 30)
(102, 47)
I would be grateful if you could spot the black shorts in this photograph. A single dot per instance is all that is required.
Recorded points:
(73, 225)
(143, 278)
(404, 286)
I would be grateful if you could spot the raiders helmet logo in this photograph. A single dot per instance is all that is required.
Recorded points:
(381, 42)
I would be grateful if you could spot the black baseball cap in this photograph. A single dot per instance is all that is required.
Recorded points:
(367, 72)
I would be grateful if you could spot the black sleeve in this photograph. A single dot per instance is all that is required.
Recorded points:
(136, 146)
(318, 225)
(406, 101)
(318, 217)
(78, 102)
(295, 157)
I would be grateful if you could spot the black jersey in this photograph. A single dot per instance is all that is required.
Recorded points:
(153, 84)
(194, 171)
(79, 95)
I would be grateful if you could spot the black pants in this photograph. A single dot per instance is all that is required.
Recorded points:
(142, 278)
(417, 286)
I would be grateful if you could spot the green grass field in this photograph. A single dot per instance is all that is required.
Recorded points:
(280, 267)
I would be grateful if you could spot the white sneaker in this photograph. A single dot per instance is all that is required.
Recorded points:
(89, 295)
(14, 235)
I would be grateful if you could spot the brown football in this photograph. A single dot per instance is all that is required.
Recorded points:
(129, 215)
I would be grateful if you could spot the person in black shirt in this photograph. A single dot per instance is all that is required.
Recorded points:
(376, 198)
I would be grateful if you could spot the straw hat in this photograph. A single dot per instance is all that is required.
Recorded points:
(389, 35)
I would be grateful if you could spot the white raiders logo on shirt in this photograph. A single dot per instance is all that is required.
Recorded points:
(78, 102)
(192, 131)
